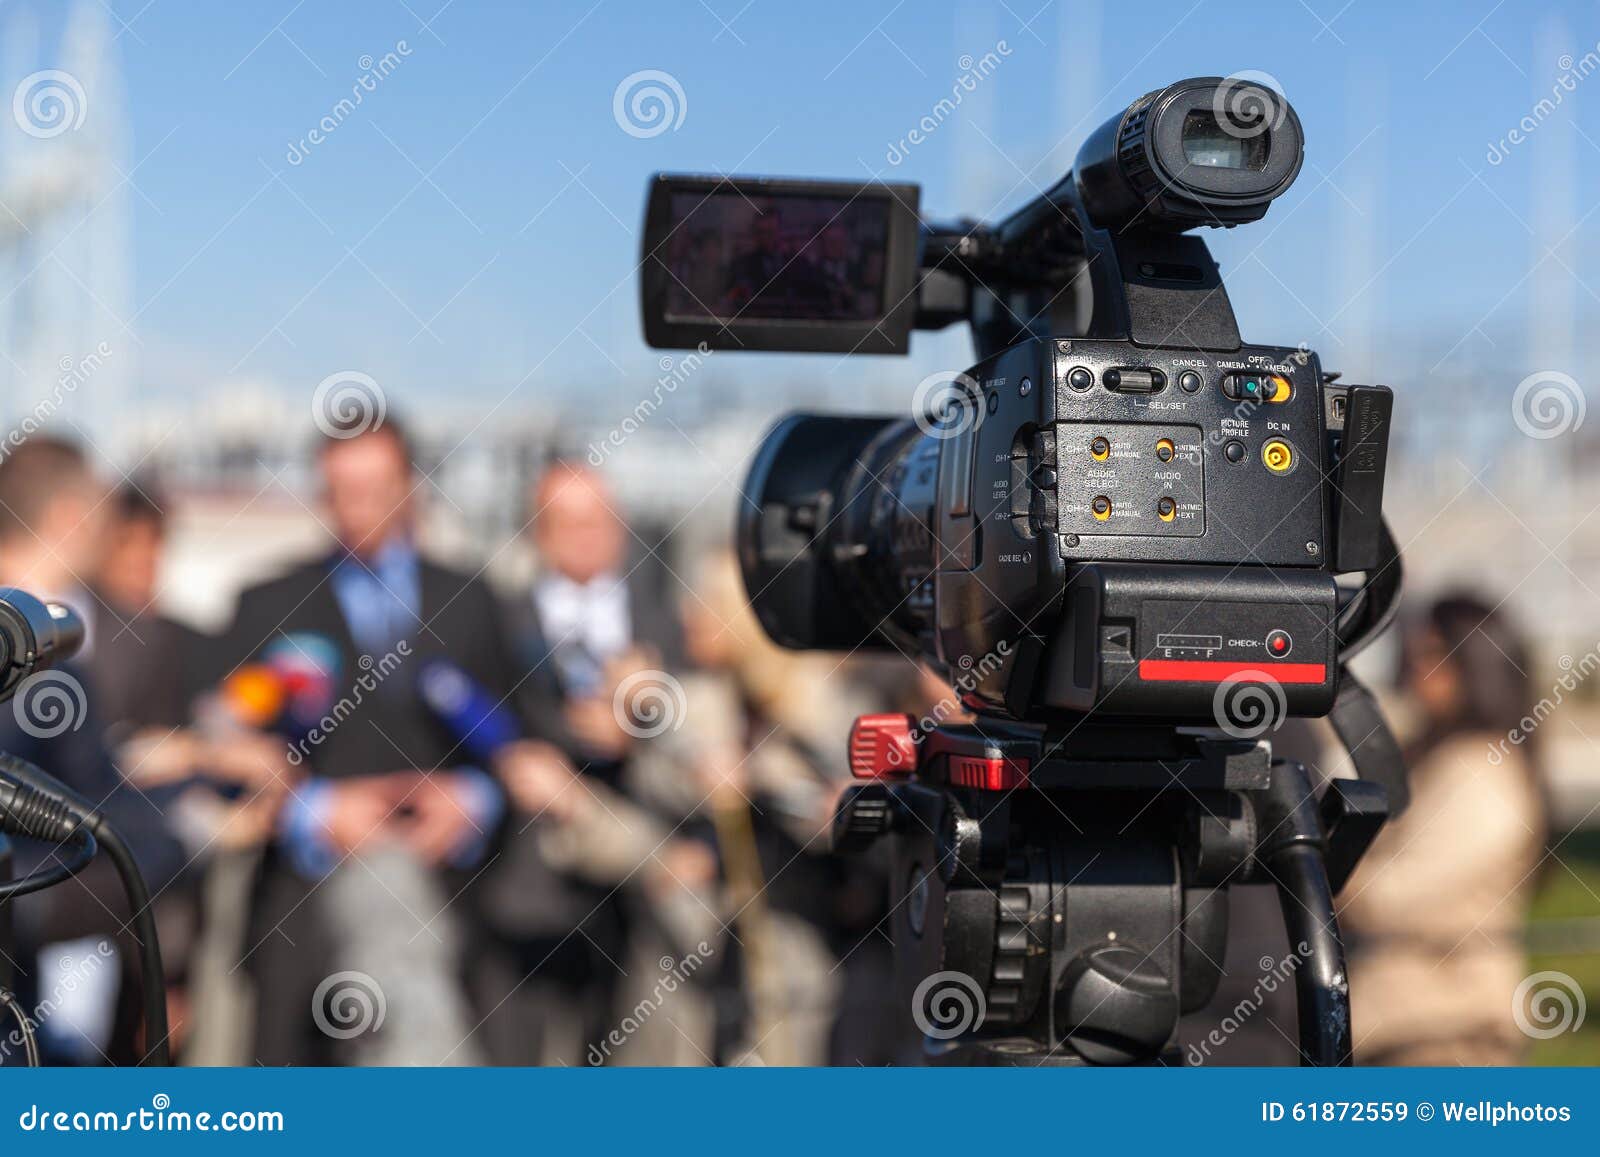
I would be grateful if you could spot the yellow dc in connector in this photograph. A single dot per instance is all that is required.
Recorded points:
(1101, 507)
(1277, 456)
(1100, 449)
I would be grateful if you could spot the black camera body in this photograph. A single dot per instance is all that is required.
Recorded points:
(1091, 526)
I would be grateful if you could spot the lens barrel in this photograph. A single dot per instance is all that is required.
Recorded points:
(835, 536)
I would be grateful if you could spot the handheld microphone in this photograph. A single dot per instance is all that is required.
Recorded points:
(473, 717)
(307, 666)
(34, 634)
(255, 696)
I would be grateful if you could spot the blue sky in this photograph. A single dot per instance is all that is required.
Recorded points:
(473, 224)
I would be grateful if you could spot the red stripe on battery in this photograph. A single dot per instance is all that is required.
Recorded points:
(1216, 670)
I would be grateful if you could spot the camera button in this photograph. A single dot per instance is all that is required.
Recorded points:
(1135, 380)
(1079, 378)
(1189, 381)
(1234, 452)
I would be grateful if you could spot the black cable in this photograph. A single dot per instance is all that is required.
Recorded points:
(39, 806)
(1368, 615)
(154, 981)
(30, 1044)
(37, 881)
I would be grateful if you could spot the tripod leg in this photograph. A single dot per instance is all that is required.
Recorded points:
(1322, 988)
(1293, 853)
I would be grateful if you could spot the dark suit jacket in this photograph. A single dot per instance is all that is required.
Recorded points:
(525, 901)
(390, 729)
(77, 756)
(654, 623)
(146, 668)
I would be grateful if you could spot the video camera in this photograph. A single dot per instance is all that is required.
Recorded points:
(1119, 535)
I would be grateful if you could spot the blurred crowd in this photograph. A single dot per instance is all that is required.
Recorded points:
(393, 815)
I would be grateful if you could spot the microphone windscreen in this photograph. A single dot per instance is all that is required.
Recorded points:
(255, 696)
(475, 719)
(308, 666)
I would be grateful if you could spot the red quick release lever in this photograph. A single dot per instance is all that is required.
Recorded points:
(882, 745)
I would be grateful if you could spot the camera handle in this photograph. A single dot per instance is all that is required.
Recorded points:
(1045, 273)
(1076, 893)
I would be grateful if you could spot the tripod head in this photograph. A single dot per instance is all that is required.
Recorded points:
(1061, 897)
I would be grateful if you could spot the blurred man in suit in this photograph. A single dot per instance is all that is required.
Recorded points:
(141, 657)
(592, 615)
(389, 799)
(587, 622)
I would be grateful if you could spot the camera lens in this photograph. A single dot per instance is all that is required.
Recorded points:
(838, 545)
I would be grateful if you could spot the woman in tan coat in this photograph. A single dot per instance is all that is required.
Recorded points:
(1435, 914)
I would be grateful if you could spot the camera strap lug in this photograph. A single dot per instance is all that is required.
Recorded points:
(1365, 735)
(1353, 811)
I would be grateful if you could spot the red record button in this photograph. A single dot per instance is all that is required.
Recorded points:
(1279, 644)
